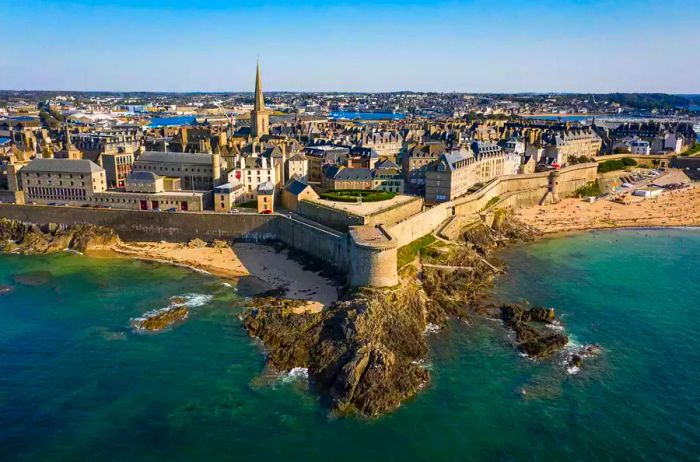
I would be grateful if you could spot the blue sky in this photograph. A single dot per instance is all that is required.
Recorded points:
(360, 45)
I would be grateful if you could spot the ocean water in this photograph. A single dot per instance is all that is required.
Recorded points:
(366, 115)
(171, 121)
(77, 384)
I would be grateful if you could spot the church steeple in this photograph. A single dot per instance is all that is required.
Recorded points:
(259, 98)
(259, 116)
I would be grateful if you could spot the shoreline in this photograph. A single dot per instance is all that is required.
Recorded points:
(672, 209)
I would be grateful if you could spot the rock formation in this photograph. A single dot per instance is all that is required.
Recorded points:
(25, 238)
(363, 353)
(534, 339)
(158, 320)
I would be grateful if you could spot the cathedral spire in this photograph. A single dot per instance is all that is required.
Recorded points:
(259, 98)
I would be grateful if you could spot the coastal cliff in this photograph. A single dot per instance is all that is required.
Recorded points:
(364, 354)
(27, 238)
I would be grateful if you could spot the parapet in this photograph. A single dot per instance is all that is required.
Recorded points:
(373, 254)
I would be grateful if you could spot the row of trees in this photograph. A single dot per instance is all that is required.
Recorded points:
(616, 164)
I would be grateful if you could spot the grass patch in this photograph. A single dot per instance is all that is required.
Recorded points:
(693, 150)
(352, 195)
(248, 204)
(407, 253)
(493, 201)
(592, 189)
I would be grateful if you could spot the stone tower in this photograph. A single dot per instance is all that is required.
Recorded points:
(259, 116)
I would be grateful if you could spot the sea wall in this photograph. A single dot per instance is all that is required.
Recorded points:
(132, 225)
(511, 191)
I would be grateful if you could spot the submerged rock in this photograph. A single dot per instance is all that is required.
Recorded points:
(5, 289)
(33, 278)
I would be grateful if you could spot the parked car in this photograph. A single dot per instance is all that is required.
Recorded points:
(172, 210)
(266, 212)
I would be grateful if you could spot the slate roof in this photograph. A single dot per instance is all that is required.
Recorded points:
(141, 176)
(62, 166)
(354, 174)
(175, 157)
(295, 187)
(266, 188)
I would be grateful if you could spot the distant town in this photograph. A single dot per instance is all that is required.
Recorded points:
(264, 153)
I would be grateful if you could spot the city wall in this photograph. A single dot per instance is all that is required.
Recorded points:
(342, 220)
(512, 191)
(134, 225)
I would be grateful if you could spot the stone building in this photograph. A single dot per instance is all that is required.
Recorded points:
(319, 157)
(417, 158)
(266, 197)
(387, 176)
(62, 180)
(451, 176)
(296, 191)
(227, 195)
(561, 146)
(297, 167)
(198, 172)
(251, 172)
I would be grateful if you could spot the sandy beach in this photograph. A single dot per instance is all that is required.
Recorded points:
(672, 208)
(273, 270)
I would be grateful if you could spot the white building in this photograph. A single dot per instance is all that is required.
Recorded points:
(251, 172)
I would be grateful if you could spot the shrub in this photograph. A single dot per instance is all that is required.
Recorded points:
(352, 195)
(591, 189)
(616, 164)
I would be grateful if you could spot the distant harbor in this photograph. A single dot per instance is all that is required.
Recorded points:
(172, 121)
(366, 115)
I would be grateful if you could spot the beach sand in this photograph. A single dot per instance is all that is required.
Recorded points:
(272, 270)
(672, 208)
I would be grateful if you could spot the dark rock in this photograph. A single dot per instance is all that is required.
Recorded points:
(33, 278)
(533, 338)
(363, 354)
(29, 238)
(160, 319)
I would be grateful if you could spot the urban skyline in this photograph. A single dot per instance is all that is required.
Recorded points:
(462, 46)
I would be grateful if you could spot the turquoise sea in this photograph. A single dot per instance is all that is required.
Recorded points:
(77, 384)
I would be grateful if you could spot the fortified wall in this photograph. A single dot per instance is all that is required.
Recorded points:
(367, 253)
(342, 219)
(132, 225)
(510, 191)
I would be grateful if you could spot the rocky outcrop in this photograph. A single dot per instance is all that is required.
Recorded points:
(459, 276)
(26, 238)
(363, 353)
(157, 320)
(533, 337)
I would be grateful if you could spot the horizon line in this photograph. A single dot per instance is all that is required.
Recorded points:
(459, 92)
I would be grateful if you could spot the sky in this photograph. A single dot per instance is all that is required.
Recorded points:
(475, 46)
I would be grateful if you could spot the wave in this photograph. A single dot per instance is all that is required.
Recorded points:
(297, 373)
(191, 300)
